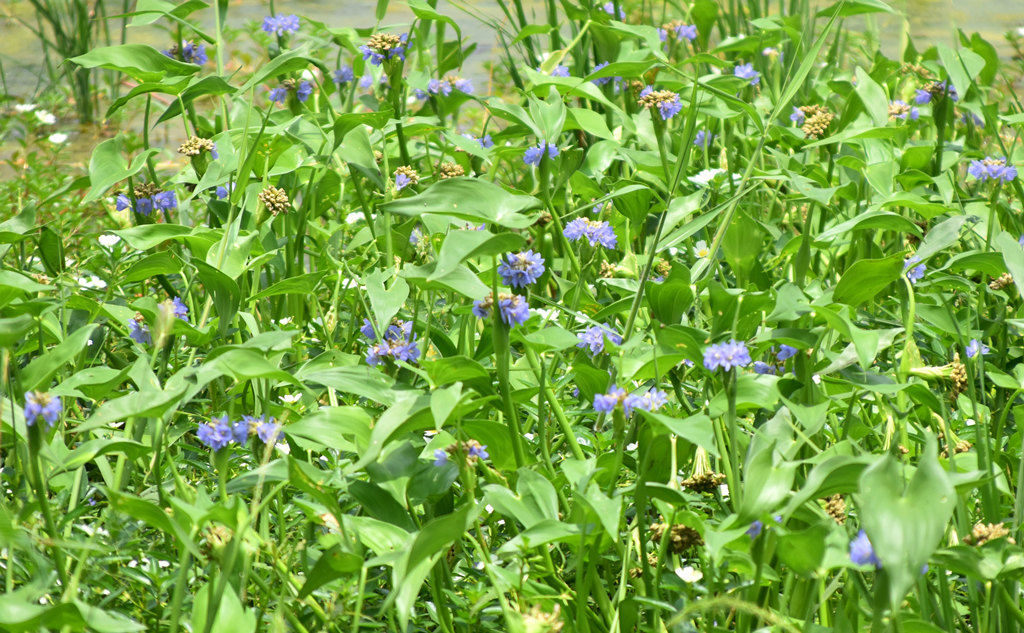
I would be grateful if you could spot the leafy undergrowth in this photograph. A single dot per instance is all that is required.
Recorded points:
(706, 322)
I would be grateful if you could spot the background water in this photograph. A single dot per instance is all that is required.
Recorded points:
(21, 54)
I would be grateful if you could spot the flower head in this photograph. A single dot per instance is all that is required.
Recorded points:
(755, 529)
(666, 101)
(485, 140)
(976, 347)
(862, 553)
(746, 71)
(677, 30)
(593, 338)
(514, 309)
(701, 250)
(762, 368)
(478, 450)
(217, 433)
(109, 240)
(45, 117)
(58, 138)
(797, 116)
(138, 330)
(180, 309)
(405, 176)
(786, 352)
(934, 90)
(440, 457)
(609, 8)
(165, 200)
(596, 232)
(726, 356)
(343, 75)
(40, 403)
(606, 402)
(600, 81)
(652, 400)
(383, 47)
(703, 139)
(280, 24)
(519, 270)
(915, 273)
(534, 155)
(223, 191)
(902, 110)
(994, 168)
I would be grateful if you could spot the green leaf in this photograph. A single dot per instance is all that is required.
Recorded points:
(153, 515)
(767, 480)
(696, 429)
(141, 62)
(803, 551)
(162, 263)
(299, 285)
(108, 167)
(39, 372)
(472, 200)
(333, 564)
(905, 523)
(847, 8)
(92, 449)
(225, 292)
(345, 123)
(670, 299)
(147, 236)
(425, 12)
(1013, 256)
(291, 62)
(459, 246)
(866, 278)
(873, 97)
(205, 87)
(385, 302)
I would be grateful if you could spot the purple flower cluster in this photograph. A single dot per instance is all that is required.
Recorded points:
(558, 71)
(219, 432)
(280, 24)
(600, 81)
(303, 90)
(667, 102)
(914, 273)
(138, 330)
(651, 400)
(726, 356)
(746, 71)
(786, 352)
(593, 338)
(688, 31)
(595, 231)
(144, 206)
(398, 342)
(862, 553)
(994, 168)
(384, 47)
(902, 110)
(534, 155)
(514, 309)
(191, 53)
(40, 403)
(343, 75)
(936, 88)
(521, 269)
(703, 139)
(180, 309)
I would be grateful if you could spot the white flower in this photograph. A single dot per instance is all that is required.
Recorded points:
(355, 216)
(489, 508)
(285, 321)
(291, 399)
(24, 107)
(133, 564)
(479, 565)
(689, 574)
(969, 422)
(631, 447)
(428, 435)
(109, 240)
(45, 117)
(617, 133)
(163, 563)
(1020, 31)
(724, 490)
(92, 282)
(701, 250)
(284, 448)
(58, 138)
(705, 177)
(528, 436)
(546, 314)
(816, 378)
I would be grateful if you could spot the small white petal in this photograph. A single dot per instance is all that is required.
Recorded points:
(58, 138)
(109, 240)
(25, 107)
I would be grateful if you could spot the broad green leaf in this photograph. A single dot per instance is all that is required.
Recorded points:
(108, 167)
(866, 278)
(301, 284)
(139, 61)
(39, 372)
(472, 200)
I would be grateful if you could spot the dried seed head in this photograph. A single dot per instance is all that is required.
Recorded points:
(705, 483)
(656, 97)
(275, 200)
(449, 170)
(607, 270)
(195, 146)
(835, 507)
(817, 120)
(408, 172)
(384, 43)
(663, 268)
(146, 190)
(958, 373)
(1005, 280)
(899, 110)
(681, 537)
(983, 533)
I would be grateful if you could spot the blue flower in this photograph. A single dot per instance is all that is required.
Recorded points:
(975, 347)
(689, 31)
(746, 71)
(798, 116)
(609, 8)
(280, 24)
(216, 434)
(440, 457)
(786, 352)
(862, 553)
(303, 91)
(755, 529)
(225, 191)
(278, 95)
(970, 117)
(266, 430)
(914, 273)
(402, 181)
(240, 430)
(144, 206)
(902, 110)
(922, 97)
(479, 451)
(514, 310)
(406, 351)
(194, 54)
(40, 403)
(703, 139)
(560, 71)
(763, 368)
(139, 331)
(596, 232)
(343, 75)
(600, 81)
(534, 155)
(521, 269)
(463, 85)
(123, 202)
(180, 309)
(165, 200)
(606, 402)
(666, 101)
(593, 337)
(485, 140)
(726, 356)
(652, 400)
(439, 86)
(367, 330)
(994, 168)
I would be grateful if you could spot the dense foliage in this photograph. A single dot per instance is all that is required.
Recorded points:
(696, 318)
